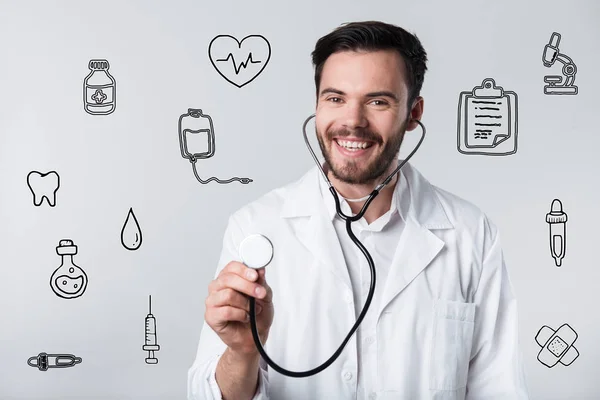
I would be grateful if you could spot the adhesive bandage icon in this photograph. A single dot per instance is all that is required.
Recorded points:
(557, 346)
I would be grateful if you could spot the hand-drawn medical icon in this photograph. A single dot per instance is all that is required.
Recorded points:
(557, 346)
(225, 51)
(43, 186)
(487, 120)
(150, 335)
(44, 361)
(131, 234)
(558, 84)
(99, 89)
(197, 127)
(68, 281)
(557, 221)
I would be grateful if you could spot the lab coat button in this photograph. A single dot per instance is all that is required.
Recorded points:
(370, 340)
(348, 375)
(373, 396)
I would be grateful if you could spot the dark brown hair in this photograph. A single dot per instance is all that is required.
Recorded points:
(373, 36)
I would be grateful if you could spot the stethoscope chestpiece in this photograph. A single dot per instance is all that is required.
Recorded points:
(256, 251)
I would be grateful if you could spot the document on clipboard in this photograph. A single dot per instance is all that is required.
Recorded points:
(487, 120)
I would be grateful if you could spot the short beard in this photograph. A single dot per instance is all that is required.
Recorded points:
(373, 174)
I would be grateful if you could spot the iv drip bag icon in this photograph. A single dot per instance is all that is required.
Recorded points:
(68, 281)
(196, 131)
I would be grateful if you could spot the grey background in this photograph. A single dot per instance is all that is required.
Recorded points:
(158, 56)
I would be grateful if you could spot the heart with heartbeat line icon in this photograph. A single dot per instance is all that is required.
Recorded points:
(239, 62)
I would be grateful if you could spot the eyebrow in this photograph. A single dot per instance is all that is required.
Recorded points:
(384, 93)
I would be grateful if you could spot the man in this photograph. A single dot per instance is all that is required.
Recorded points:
(443, 320)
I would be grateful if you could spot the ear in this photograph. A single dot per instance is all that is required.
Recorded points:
(415, 113)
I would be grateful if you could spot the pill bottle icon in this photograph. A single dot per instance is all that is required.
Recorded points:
(195, 127)
(69, 280)
(99, 89)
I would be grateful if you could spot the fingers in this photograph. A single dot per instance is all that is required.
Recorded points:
(227, 313)
(229, 305)
(268, 298)
(228, 297)
(239, 277)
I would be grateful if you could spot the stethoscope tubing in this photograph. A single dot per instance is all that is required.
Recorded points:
(349, 220)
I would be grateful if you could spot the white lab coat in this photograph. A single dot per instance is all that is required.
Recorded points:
(447, 324)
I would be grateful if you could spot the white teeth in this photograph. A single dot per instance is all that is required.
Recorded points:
(353, 145)
(43, 186)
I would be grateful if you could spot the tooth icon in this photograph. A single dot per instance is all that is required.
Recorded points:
(43, 186)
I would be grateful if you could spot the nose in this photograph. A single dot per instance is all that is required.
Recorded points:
(354, 117)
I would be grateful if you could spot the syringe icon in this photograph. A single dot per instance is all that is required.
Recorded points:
(558, 234)
(150, 332)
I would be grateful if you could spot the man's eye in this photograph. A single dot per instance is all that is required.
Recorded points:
(381, 102)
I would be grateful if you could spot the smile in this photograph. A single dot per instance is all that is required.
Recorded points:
(352, 148)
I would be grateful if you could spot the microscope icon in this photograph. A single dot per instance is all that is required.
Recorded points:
(556, 83)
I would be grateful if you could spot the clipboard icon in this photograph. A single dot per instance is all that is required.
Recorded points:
(487, 120)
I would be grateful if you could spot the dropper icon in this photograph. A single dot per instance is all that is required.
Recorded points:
(557, 219)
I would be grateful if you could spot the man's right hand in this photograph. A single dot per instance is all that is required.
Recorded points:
(228, 307)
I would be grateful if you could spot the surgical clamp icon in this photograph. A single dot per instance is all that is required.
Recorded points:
(44, 361)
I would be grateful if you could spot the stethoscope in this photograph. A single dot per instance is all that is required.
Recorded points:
(256, 251)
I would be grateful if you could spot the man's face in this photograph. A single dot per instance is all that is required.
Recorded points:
(356, 103)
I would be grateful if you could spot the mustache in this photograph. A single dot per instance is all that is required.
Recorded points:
(365, 135)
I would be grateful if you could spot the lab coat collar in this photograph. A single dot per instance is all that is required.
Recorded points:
(305, 198)
(422, 211)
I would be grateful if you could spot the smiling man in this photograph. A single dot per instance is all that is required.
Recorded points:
(443, 321)
(359, 130)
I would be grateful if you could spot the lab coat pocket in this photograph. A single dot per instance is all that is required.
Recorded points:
(453, 325)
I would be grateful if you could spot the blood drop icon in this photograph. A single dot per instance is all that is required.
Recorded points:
(131, 234)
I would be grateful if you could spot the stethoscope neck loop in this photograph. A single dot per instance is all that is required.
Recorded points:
(362, 211)
(378, 188)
